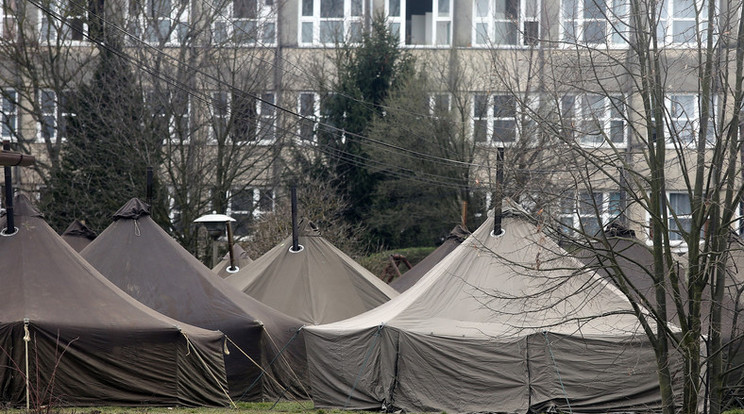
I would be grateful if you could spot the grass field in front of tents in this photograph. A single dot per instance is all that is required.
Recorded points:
(284, 407)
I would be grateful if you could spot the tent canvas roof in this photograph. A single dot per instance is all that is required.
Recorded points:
(120, 351)
(241, 261)
(78, 235)
(318, 284)
(413, 275)
(488, 329)
(137, 255)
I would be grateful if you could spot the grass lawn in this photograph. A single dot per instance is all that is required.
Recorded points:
(251, 408)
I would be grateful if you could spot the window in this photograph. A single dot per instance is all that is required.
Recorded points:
(678, 21)
(47, 101)
(417, 22)
(9, 115)
(66, 112)
(159, 21)
(309, 108)
(247, 204)
(170, 112)
(246, 22)
(506, 22)
(595, 22)
(253, 120)
(501, 119)
(243, 117)
(679, 205)
(594, 119)
(66, 20)
(8, 20)
(589, 212)
(440, 103)
(176, 200)
(683, 125)
(329, 22)
(220, 115)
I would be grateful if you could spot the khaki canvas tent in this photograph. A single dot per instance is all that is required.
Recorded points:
(241, 261)
(409, 278)
(317, 284)
(90, 340)
(137, 255)
(502, 324)
(78, 235)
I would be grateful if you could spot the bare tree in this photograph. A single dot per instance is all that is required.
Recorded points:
(645, 101)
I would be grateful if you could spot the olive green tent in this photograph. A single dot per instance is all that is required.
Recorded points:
(89, 343)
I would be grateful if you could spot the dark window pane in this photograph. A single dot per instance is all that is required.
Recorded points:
(242, 200)
(245, 9)
(512, 9)
(307, 7)
(504, 131)
(504, 106)
(480, 106)
(479, 131)
(531, 33)
(331, 8)
(266, 200)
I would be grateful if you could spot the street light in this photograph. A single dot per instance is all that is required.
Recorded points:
(213, 223)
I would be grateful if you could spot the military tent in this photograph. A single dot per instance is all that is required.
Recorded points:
(141, 258)
(89, 343)
(409, 278)
(504, 323)
(240, 257)
(78, 235)
(316, 284)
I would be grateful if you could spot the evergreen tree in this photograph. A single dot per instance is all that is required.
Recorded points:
(367, 73)
(107, 148)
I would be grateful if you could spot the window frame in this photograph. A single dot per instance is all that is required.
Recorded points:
(665, 24)
(437, 19)
(9, 19)
(612, 18)
(521, 117)
(44, 114)
(352, 24)
(265, 21)
(583, 112)
(670, 100)
(308, 116)
(256, 196)
(577, 208)
(258, 117)
(179, 17)
(9, 115)
(489, 20)
(49, 27)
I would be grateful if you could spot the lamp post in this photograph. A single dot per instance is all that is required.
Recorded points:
(213, 223)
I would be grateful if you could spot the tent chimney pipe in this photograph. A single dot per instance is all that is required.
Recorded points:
(499, 191)
(464, 214)
(230, 243)
(149, 185)
(8, 193)
(295, 236)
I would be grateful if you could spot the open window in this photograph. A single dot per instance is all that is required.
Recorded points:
(424, 23)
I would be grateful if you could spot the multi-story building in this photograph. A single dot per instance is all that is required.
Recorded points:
(572, 80)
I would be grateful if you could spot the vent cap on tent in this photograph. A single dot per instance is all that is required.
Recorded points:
(133, 209)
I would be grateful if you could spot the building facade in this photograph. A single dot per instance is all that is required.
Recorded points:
(577, 91)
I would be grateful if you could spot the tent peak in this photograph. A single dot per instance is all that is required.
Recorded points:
(133, 209)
